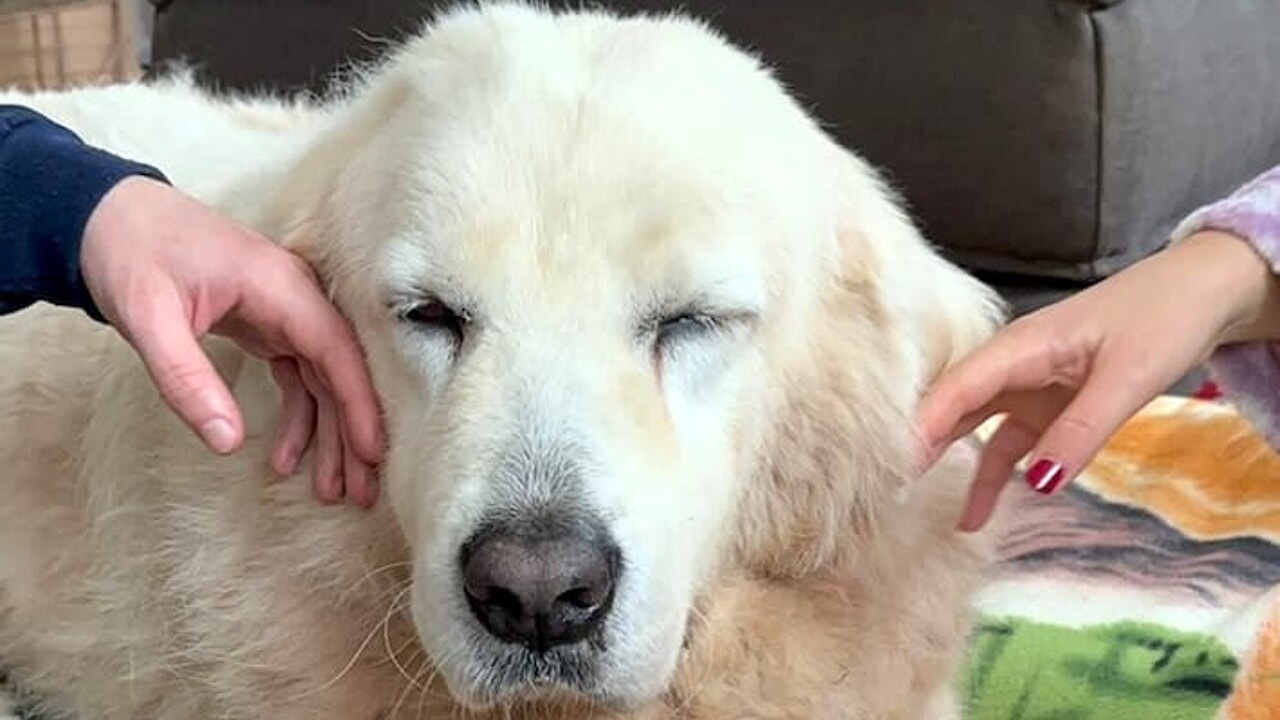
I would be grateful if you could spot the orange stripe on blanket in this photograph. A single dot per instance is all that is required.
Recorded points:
(1200, 467)
(1256, 695)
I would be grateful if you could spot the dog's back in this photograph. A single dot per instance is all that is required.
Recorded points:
(207, 144)
(55, 363)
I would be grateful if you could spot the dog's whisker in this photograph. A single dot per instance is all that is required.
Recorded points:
(396, 590)
(401, 697)
(355, 657)
(378, 571)
(386, 638)
(696, 687)
(413, 683)
(416, 652)
(423, 670)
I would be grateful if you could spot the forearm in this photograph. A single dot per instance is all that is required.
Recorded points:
(1241, 278)
(50, 183)
(1245, 364)
(1238, 239)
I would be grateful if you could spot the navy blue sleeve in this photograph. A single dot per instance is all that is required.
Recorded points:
(50, 183)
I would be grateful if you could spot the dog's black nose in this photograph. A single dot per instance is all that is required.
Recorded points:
(540, 587)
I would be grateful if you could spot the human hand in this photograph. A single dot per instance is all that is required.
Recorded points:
(164, 270)
(1070, 374)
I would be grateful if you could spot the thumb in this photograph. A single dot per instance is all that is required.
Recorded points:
(187, 379)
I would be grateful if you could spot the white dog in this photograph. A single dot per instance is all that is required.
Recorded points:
(648, 343)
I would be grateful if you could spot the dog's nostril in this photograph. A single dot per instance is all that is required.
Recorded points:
(583, 598)
(539, 589)
(506, 600)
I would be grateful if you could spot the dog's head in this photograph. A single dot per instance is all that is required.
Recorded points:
(634, 318)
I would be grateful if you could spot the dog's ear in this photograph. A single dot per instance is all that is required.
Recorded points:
(895, 314)
(934, 312)
(301, 213)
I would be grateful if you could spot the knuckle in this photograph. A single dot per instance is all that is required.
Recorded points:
(294, 268)
(1012, 440)
(180, 383)
(1069, 363)
(1054, 347)
(1078, 426)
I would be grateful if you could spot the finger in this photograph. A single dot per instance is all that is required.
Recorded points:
(1028, 355)
(963, 395)
(1000, 456)
(1111, 396)
(357, 476)
(1036, 408)
(315, 331)
(327, 458)
(298, 417)
(340, 366)
(361, 482)
(962, 428)
(188, 382)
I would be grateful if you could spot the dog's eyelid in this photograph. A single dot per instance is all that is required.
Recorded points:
(705, 309)
(730, 307)
(663, 326)
(427, 312)
(401, 303)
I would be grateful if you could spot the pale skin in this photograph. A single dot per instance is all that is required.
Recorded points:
(165, 270)
(1068, 376)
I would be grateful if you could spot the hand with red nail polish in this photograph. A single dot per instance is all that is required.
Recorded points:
(165, 270)
(1068, 376)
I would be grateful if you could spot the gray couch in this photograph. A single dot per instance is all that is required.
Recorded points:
(1043, 143)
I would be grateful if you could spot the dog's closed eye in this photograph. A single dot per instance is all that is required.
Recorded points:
(432, 315)
(668, 330)
(686, 326)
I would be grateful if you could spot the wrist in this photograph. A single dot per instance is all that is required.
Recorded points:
(117, 222)
(63, 182)
(1239, 280)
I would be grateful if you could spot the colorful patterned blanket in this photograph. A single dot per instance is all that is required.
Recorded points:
(1150, 589)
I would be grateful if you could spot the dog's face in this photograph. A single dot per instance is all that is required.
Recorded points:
(595, 265)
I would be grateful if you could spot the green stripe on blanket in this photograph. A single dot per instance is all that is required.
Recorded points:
(1022, 670)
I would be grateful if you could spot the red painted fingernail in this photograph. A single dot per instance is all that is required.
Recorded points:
(1045, 476)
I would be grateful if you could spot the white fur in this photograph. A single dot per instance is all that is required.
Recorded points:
(560, 178)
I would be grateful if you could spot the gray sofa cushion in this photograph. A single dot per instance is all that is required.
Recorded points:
(1190, 97)
(1044, 143)
(1056, 138)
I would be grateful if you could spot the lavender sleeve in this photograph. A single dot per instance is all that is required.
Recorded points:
(1248, 373)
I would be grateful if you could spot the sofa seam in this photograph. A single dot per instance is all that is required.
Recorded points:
(1100, 141)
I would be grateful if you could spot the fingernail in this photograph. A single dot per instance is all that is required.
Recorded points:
(286, 462)
(1045, 476)
(329, 494)
(924, 460)
(217, 433)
